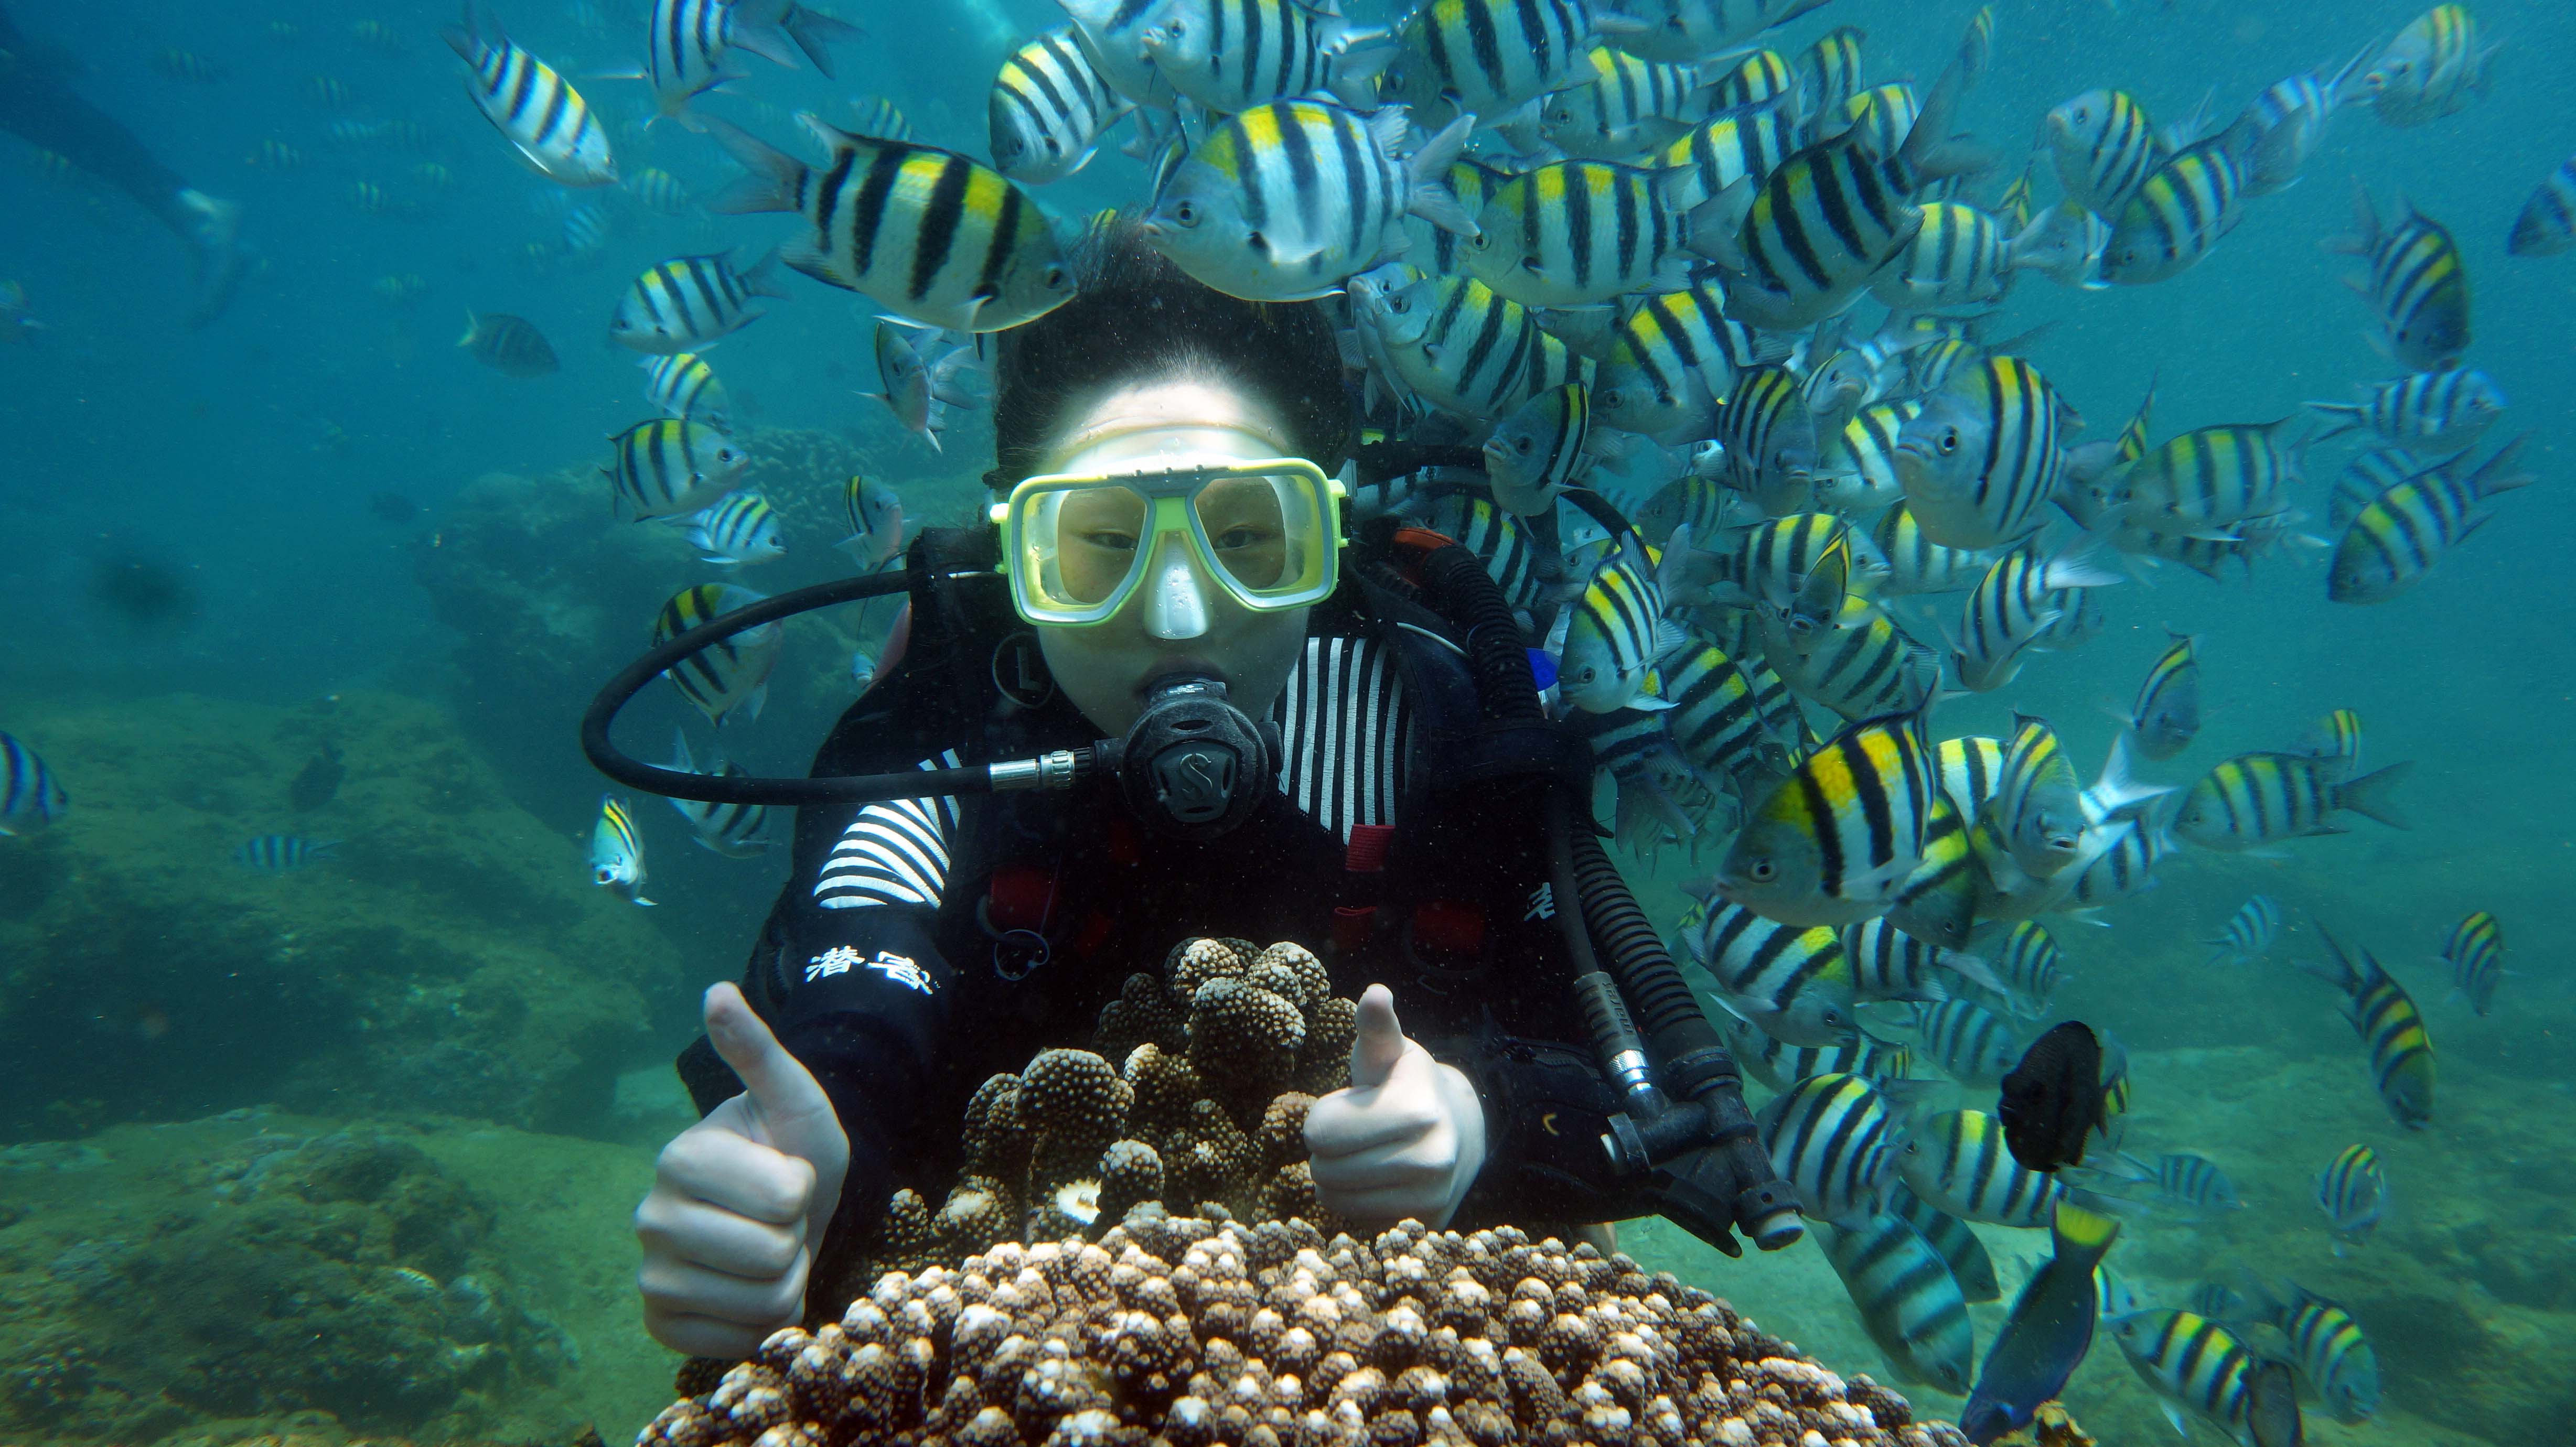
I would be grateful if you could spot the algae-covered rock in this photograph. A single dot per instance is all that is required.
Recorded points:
(449, 955)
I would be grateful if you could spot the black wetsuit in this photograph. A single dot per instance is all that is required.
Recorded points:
(38, 107)
(902, 963)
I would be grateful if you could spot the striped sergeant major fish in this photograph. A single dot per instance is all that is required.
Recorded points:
(1879, 116)
(2546, 225)
(535, 109)
(2353, 1192)
(667, 467)
(1671, 358)
(1916, 564)
(1938, 901)
(1745, 144)
(1829, 217)
(31, 798)
(1606, 641)
(2192, 1364)
(2475, 952)
(1836, 841)
(2384, 1015)
(2038, 804)
(1528, 571)
(1889, 964)
(2417, 282)
(1684, 30)
(689, 42)
(927, 234)
(2335, 736)
(1048, 110)
(1982, 459)
(1541, 449)
(1909, 1303)
(1856, 475)
(2166, 717)
(1796, 984)
(1957, 1160)
(2183, 1179)
(283, 853)
(2434, 68)
(741, 528)
(2020, 598)
(1781, 1067)
(1489, 57)
(2104, 148)
(2181, 210)
(2029, 967)
(1970, 770)
(1835, 1139)
(2367, 476)
(1960, 262)
(2399, 535)
(2427, 412)
(1717, 720)
(2205, 479)
(1112, 36)
(1285, 201)
(2118, 859)
(2050, 1329)
(688, 301)
(2327, 1346)
(1772, 441)
(1774, 560)
(2257, 799)
(2249, 933)
(730, 674)
(1620, 105)
(1860, 666)
(1436, 249)
(2290, 118)
(1762, 76)
(736, 831)
(1453, 343)
(1576, 233)
(686, 388)
(1232, 55)
(1830, 72)
(617, 851)
(1968, 1042)
(1966, 1256)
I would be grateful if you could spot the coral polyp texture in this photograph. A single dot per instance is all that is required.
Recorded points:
(1194, 1096)
(1177, 1331)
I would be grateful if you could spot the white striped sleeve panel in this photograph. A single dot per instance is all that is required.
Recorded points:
(892, 853)
(1344, 726)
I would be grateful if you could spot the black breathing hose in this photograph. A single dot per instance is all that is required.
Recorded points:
(742, 789)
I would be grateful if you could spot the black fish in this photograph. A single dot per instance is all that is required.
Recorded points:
(2053, 1098)
(509, 345)
(2272, 1407)
(317, 781)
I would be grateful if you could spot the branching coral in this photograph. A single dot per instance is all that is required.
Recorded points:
(1185, 1332)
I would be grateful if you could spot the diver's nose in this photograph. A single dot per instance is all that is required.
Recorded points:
(1175, 603)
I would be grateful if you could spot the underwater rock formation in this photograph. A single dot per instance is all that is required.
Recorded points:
(450, 956)
(1219, 1059)
(1182, 1331)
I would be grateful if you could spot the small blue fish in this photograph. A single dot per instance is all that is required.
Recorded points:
(2353, 1192)
(2249, 934)
(30, 797)
(741, 529)
(617, 851)
(278, 853)
(876, 522)
(736, 831)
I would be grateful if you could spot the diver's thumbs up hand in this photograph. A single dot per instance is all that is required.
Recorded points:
(1408, 1135)
(740, 1199)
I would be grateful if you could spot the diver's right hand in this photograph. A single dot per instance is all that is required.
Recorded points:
(740, 1199)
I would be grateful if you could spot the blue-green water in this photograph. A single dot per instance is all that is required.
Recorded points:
(202, 592)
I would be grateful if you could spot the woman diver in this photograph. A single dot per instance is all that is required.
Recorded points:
(1175, 568)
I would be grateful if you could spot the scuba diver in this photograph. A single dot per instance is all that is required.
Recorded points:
(40, 108)
(1167, 567)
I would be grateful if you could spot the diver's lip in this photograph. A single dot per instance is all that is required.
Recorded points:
(1181, 664)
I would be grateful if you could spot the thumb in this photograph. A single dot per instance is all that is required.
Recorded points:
(788, 1107)
(1380, 1041)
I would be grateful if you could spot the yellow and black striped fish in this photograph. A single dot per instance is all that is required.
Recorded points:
(2547, 223)
(1745, 145)
(1960, 262)
(1772, 445)
(1938, 902)
(2209, 477)
(2326, 1345)
(689, 301)
(927, 234)
(2336, 736)
(1957, 1160)
(1621, 105)
(1796, 984)
(1915, 563)
(1716, 719)
(2384, 1015)
(668, 467)
(2181, 209)
(1453, 343)
(2353, 1191)
(1908, 1302)
(1878, 117)
(684, 386)
(1672, 357)
(2257, 799)
(1971, 770)
(1574, 233)
(1232, 55)
(2038, 802)
(2192, 1363)
(2166, 716)
(2418, 283)
(534, 108)
(2475, 951)
(2104, 147)
(617, 851)
(1047, 110)
(1834, 1138)
(2020, 598)
(1836, 841)
(2399, 535)
(2434, 68)
(1538, 451)
(1981, 461)
(1781, 1067)
(1863, 665)
(1488, 56)
(1762, 76)
(1437, 249)
(1829, 72)
(730, 674)
(1857, 474)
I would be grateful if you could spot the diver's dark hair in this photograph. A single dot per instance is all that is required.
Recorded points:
(1138, 317)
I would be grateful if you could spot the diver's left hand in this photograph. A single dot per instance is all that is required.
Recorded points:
(1408, 1135)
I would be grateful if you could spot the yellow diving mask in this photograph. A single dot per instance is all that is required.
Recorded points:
(1078, 546)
